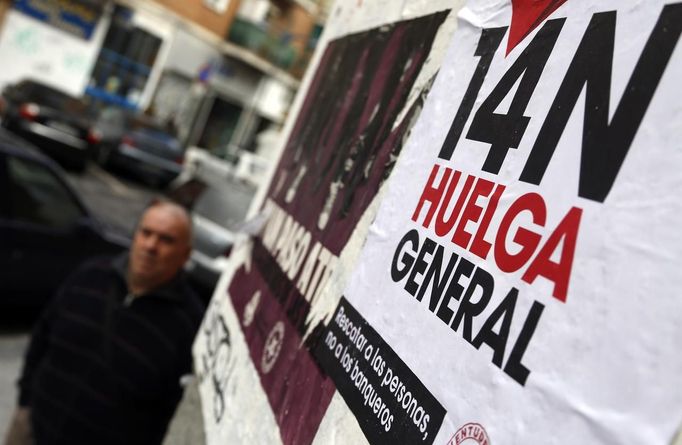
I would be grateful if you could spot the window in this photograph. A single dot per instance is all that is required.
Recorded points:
(125, 61)
(37, 196)
(220, 127)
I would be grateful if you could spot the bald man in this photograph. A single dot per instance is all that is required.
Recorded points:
(105, 360)
(162, 245)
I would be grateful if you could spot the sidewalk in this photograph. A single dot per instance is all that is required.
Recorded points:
(187, 426)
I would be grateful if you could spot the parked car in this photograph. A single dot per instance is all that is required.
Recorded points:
(219, 203)
(45, 229)
(139, 144)
(57, 123)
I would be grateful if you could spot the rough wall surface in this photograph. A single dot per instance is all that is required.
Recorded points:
(470, 259)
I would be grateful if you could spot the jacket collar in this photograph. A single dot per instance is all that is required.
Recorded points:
(171, 290)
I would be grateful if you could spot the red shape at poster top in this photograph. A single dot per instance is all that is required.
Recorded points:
(528, 15)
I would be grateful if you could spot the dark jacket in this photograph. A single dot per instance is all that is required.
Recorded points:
(104, 368)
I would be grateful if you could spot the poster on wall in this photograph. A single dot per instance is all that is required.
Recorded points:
(350, 129)
(520, 284)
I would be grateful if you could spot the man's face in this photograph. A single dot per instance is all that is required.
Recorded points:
(160, 247)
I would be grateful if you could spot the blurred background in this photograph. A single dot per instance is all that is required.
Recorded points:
(106, 105)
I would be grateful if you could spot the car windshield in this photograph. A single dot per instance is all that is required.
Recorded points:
(37, 196)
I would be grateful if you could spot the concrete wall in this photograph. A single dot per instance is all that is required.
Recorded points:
(42, 52)
(299, 22)
(188, 53)
(196, 11)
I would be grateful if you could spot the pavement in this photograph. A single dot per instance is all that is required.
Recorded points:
(187, 426)
(13, 341)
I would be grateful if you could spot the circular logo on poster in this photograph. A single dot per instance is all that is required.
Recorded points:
(470, 434)
(273, 345)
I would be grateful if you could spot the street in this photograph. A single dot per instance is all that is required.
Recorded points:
(118, 202)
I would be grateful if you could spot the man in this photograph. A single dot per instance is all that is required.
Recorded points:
(105, 360)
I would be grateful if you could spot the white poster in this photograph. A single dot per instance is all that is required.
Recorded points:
(520, 284)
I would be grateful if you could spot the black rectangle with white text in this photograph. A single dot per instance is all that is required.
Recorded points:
(389, 402)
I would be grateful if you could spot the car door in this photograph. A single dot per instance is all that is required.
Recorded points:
(43, 228)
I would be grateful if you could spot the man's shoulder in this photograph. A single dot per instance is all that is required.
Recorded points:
(97, 274)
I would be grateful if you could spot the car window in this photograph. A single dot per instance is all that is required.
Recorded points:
(37, 196)
(50, 96)
(224, 206)
(23, 87)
